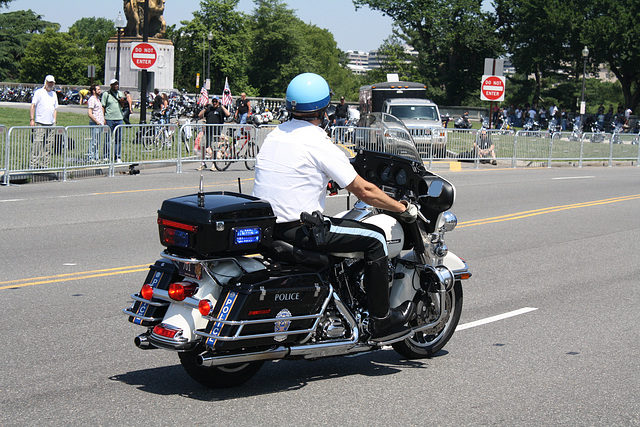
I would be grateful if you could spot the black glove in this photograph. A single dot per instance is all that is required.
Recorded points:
(410, 214)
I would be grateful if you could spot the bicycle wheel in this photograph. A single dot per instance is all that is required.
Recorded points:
(223, 157)
(148, 138)
(250, 155)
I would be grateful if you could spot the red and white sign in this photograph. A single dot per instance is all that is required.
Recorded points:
(492, 88)
(143, 56)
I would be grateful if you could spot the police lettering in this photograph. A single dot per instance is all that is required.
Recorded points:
(294, 296)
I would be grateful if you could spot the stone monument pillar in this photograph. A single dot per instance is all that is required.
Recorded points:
(163, 73)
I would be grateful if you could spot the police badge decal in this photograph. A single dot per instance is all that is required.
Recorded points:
(282, 325)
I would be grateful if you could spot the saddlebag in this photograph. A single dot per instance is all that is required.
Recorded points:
(218, 224)
(150, 313)
(261, 310)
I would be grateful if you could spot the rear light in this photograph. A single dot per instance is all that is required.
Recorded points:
(178, 225)
(258, 312)
(166, 331)
(178, 291)
(205, 307)
(173, 233)
(146, 292)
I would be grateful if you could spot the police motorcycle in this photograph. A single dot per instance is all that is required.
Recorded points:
(227, 297)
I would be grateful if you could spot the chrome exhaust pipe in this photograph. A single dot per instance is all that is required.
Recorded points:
(142, 342)
(206, 360)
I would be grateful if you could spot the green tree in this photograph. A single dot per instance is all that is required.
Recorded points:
(284, 46)
(276, 46)
(91, 35)
(452, 38)
(611, 32)
(230, 50)
(16, 30)
(540, 36)
(55, 53)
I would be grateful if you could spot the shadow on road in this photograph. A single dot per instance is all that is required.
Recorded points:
(274, 377)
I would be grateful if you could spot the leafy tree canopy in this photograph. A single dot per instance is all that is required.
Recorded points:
(55, 53)
(16, 30)
(452, 38)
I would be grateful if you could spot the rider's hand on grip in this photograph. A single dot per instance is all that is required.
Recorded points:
(410, 214)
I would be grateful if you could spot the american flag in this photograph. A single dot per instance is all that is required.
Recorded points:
(226, 93)
(204, 97)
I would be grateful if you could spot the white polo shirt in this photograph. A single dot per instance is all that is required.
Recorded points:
(295, 163)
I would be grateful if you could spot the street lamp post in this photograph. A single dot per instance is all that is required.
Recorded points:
(120, 24)
(210, 37)
(583, 106)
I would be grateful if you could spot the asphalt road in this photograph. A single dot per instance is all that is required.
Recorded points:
(560, 243)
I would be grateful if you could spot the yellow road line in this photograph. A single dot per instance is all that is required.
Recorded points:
(20, 283)
(217, 184)
(527, 214)
(72, 276)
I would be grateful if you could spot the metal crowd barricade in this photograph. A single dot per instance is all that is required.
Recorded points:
(88, 146)
(566, 147)
(596, 146)
(460, 143)
(146, 143)
(220, 145)
(192, 135)
(351, 138)
(3, 155)
(531, 146)
(262, 132)
(35, 149)
(624, 146)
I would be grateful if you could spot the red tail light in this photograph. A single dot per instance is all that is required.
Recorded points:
(205, 307)
(178, 225)
(166, 331)
(146, 292)
(180, 290)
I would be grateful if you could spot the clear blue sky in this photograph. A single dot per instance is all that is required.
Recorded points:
(362, 30)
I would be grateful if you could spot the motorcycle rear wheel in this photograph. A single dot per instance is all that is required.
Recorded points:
(218, 376)
(421, 345)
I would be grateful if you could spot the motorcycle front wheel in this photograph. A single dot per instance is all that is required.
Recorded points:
(421, 344)
(218, 376)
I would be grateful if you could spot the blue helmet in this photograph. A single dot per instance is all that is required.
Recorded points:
(307, 93)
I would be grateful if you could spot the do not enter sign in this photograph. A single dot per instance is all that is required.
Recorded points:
(143, 56)
(492, 88)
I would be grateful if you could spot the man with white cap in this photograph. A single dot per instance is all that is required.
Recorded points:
(43, 114)
(111, 101)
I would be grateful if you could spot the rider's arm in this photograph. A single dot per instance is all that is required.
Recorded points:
(372, 195)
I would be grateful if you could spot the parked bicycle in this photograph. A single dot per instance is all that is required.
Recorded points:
(240, 144)
(159, 136)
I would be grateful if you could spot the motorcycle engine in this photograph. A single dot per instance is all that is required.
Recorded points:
(331, 326)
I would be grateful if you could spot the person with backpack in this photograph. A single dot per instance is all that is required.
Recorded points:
(112, 103)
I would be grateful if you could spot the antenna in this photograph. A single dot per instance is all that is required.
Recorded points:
(201, 191)
(239, 186)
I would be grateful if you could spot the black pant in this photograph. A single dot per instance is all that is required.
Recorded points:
(344, 235)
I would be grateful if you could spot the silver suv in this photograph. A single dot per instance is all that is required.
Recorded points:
(422, 118)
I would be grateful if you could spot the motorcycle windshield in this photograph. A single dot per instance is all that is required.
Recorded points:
(388, 135)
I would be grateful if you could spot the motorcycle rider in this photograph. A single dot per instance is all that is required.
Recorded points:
(293, 168)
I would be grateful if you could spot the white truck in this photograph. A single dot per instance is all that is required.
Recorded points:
(408, 102)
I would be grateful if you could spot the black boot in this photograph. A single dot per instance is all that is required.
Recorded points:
(385, 323)
(393, 324)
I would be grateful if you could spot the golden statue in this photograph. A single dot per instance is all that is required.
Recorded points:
(134, 11)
